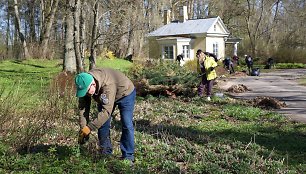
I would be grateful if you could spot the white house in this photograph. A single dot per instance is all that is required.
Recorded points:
(187, 36)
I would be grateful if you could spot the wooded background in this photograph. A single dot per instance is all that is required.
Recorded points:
(74, 30)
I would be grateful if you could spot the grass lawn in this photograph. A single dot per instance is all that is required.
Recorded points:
(29, 75)
(31, 78)
(182, 135)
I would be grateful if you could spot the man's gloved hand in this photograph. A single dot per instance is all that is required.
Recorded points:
(84, 135)
(83, 139)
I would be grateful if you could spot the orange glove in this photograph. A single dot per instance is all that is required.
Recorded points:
(85, 130)
(84, 135)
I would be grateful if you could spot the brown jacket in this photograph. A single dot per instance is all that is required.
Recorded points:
(112, 85)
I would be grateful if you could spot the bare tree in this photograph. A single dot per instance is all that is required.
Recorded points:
(21, 35)
(69, 57)
(31, 4)
(48, 19)
(253, 20)
(266, 26)
(7, 29)
(93, 54)
(83, 45)
(77, 47)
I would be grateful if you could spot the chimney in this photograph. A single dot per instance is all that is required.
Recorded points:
(183, 16)
(166, 17)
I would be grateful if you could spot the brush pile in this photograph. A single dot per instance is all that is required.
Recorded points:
(240, 88)
(267, 102)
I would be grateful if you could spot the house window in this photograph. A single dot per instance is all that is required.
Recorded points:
(186, 51)
(168, 52)
(215, 27)
(215, 48)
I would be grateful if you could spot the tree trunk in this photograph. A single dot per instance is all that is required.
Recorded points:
(76, 37)
(277, 4)
(83, 33)
(130, 49)
(45, 35)
(92, 57)
(130, 39)
(18, 27)
(42, 18)
(141, 41)
(31, 5)
(8, 31)
(69, 59)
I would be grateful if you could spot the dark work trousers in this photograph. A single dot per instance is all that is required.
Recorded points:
(230, 68)
(205, 83)
(250, 67)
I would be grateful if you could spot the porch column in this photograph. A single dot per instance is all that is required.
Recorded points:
(235, 48)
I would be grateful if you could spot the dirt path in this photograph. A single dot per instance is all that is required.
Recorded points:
(280, 84)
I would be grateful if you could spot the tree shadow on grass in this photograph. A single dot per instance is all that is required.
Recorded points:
(289, 143)
(19, 72)
(60, 151)
(22, 63)
(64, 152)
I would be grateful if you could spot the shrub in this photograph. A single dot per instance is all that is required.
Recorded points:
(290, 55)
(25, 127)
(8, 109)
(191, 65)
(106, 54)
(289, 65)
(166, 73)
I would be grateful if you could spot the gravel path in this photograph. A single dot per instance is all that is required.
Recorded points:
(280, 84)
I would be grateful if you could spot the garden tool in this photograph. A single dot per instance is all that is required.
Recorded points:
(202, 74)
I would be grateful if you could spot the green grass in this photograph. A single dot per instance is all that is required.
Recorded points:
(118, 64)
(183, 135)
(218, 139)
(289, 65)
(32, 77)
(36, 73)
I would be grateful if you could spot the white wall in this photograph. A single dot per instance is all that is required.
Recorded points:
(213, 38)
(219, 28)
(221, 45)
(180, 43)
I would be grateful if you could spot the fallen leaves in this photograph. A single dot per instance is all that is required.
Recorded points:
(267, 102)
(238, 88)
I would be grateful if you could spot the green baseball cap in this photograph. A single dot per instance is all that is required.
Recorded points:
(83, 82)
